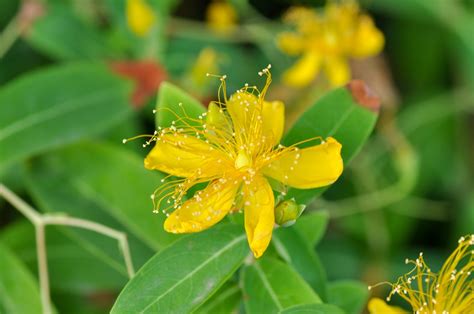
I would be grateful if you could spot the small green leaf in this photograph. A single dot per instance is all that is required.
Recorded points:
(312, 226)
(168, 108)
(224, 301)
(56, 106)
(313, 309)
(19, 291)
(186, 273)
(61, 35)
(350, 296)
(347, 114)
(271, 286)
(293, 249)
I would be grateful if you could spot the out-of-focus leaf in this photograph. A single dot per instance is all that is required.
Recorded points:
(186, 273)
(89, 274)
(347, 114)
(54, 190)
(312, 226)
(225, 301)
(61, 35)
(291, 247)
(168, 108)
(271, 286)
(115, 180)
(313, 309)
(19, 291)
(350, 296)
(56, 106)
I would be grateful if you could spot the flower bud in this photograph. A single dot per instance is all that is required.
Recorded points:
(287, 211)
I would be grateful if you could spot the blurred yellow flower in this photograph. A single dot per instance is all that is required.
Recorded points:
(378, 306)
(233, 147)
(327, 40)
(221, 16)
(451, 291)
(140, 16)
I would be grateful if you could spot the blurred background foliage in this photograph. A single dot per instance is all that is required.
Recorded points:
(410, 189)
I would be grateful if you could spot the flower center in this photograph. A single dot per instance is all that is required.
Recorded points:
(243, 161)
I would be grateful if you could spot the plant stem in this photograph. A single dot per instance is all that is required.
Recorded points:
(43, 268)
(8, 37)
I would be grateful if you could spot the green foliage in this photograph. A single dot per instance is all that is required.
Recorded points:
(37, 106)
(351, 296)
(191, 269)
(313, 309)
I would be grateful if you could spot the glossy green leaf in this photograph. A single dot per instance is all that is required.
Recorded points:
(351, 296)
(313, 309)
(293, 249)
(58, 105)
(186, 273)
(114, 179)
(19, 291)
(270, 286)
(168, 108)
(312, 226)
(225, 301)
(62, 35)
(339, 115)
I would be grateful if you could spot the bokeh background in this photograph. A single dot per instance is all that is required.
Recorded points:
(409, 190)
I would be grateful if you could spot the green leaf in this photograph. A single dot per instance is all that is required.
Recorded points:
(224, 301)
(311, 226)
(61, 35)
(350, 296)
(270, 286)
(114, 180)
(293, 249)
(168, 108)
(313, 309)
(19, 291)
(185, 274)
(56, 106)
(338, 114)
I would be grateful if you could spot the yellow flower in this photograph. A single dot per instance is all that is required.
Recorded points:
(140, 16)
(221, 17)
(326, 41)
(233, 147)
(450, 291)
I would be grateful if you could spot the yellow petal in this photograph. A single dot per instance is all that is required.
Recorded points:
(291, 43)
(308, 168)
(140, 17)
(378, 306)
(206, 208)
(273, 115)
(216, 118)
(368, 40)
(186, 156)
(304, 71)
(337, 70)
(259, 214)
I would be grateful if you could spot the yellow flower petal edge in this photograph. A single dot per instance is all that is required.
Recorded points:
(259, 214)
(140, 17)
(378, 306)
(449, 291)
(233, 147)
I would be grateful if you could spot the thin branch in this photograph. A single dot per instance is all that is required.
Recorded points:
(40, 221)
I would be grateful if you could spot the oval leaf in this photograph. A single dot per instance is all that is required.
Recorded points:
(185, 274)
(348, 114)
(311, 226)
(271, 286)
(56, 106)
(348, 295)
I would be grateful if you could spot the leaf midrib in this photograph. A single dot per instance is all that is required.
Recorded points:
(190, 274)
(53, 112)
(267, 285)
